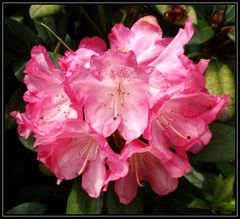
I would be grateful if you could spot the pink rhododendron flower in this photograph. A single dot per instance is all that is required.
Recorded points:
(48, 105)
(185, 116)
(143, 165)
(115, 92)
(76, 150)
(128, 114)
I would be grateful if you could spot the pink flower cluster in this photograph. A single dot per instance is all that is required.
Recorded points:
(127, 114)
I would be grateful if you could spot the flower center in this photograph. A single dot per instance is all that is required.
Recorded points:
(118, 100)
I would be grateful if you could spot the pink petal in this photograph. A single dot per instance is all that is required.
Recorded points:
(120, 37)
(170, 54)
(126, 188)
(94, 176)
(72, 61)
(100, 117)
(42, 77)
(117, 168)
(95, 44)
(134, 113)
(158, 177)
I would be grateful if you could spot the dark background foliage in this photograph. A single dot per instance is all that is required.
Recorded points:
(29, 188)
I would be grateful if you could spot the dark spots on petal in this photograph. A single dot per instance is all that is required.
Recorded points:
(172, 148)
(188, 137)
(41, 117)
(115, 118)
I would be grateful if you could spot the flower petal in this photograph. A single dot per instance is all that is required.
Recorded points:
(170, 54)
(95, 44)
(126, 188)
(94, 176)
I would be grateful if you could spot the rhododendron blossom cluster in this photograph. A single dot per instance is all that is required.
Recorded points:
(128, 114)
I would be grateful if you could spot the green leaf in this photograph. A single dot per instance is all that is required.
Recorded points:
(225, 167)
(203, 11)
(16, 100)
(28, 208)
(115, 207)
(136, 206)
(44, 170)
(19, 67)
(162, 8)
(226, 191)
(221, 146)
(44, 34)
(80, 203)
(196, 178)
(227, 207)
(220, 80)
(199, 204)
(230, 14)
(9, 122)
(231, 36)
(113, 204)
(218, 186)
(36, 11)
(54, 57)
(28, 143)
(22, 32)
(203, 33)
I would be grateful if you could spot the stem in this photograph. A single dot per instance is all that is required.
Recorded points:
(90, 21)
(60, 40)
(124, 16)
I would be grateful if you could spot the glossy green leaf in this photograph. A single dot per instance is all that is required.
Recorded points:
(28, 208)
(220, 80)
(232, 36)
(221, 146)
(36, 11)
(230, 14)
(80, 203)
(22, 32)
(199, 204)
(115, 207)
(226, 191)
(203, 33)
(196, 178)
(227, 207)
(28, 143)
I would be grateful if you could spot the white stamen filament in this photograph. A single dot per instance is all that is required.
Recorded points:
(134, 167)
(65, 106)
(91, 149)
(165, 121)
(118, 100)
